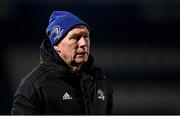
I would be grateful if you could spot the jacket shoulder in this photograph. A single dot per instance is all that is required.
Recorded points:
(98, 74)
(32, 80)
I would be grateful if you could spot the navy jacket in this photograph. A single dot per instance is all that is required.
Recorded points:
(52, 88)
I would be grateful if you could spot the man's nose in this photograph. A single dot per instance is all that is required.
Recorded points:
(83, 42)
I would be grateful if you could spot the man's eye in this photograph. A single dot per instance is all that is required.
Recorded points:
(78, 37)
(75, 38)
(85, 36)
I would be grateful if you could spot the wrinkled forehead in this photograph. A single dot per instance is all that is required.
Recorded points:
(79, 29)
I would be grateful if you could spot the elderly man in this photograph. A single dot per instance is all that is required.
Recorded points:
(65, 81)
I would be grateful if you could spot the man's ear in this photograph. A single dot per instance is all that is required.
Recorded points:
(57, 48)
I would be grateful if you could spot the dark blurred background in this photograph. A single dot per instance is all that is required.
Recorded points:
(135, 42)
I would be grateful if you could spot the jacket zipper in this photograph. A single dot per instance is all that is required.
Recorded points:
(84, 97)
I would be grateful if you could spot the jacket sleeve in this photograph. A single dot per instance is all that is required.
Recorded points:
(25, 101)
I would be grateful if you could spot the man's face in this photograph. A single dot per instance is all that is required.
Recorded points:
(74, 48)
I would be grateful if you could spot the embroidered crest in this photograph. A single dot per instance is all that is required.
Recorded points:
(100, 94)
(56, 32)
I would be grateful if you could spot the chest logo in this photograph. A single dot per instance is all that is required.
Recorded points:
(66, 96)
(100, 94)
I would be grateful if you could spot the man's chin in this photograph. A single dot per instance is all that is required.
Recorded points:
(81, 60)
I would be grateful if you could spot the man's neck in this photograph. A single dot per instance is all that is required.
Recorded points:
(76, 69)
(75, 66)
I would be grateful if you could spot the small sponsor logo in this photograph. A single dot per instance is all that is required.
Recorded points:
(66, 96)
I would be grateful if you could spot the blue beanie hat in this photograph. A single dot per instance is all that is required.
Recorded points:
(60, 22)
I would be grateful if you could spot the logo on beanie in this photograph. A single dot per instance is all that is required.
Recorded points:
(56, 33)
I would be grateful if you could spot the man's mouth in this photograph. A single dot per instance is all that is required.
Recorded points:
(81, 53)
